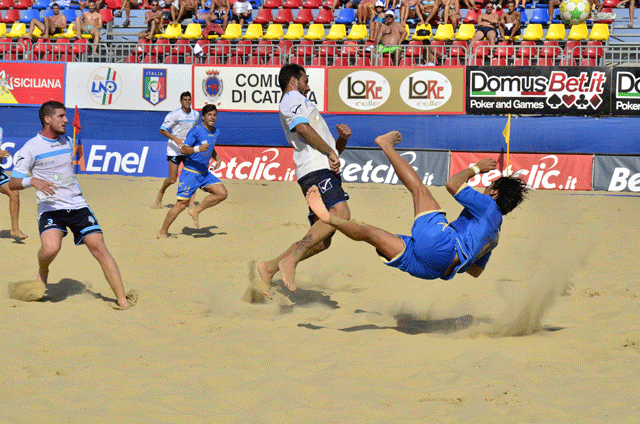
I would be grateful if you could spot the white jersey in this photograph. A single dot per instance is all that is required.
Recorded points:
(179, 124)
(52, 161)
(296, 109)
(241, 7)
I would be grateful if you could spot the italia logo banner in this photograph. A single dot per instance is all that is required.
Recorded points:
(30, 84)
(154, 85)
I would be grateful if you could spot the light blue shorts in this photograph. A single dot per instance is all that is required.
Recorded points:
(430, 250)
(190, 181)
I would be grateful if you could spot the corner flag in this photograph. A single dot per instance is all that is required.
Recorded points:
(78, 152)
(507, 135)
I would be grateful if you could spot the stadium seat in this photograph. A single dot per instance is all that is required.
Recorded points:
(328, 48)
(578, 32)
(292, 4)
(533, 32)
(337, 32)
(5, 44)
(29, 15)
(610, 3)
(272, 4)
(594, 50)
(319, 61)
(439, 47)
(465, 32)
(171, 59)
(471, 17)
(143, 47)
(107, 15)
(6, 4)
(504, 50)
(550, 50)
(572, 49)
(304, 49)
(12, 15)
(294, 32)
(312, 4)
(444, 32)
(315, 32)
(539, 15)
(132, 58)
(475, 61)
(41, 4)
(70, 14)
(3, 29)
(243, 48)
(80, 46)
(451, 61)
(325, 16)
(275, 61)
(235, 60)
(567, 61)
(113, 4)
(588, 62)
(363, 62)
(521, 61)
(305, 16)
(414, 49)
(426, 27)
(346, 16)
(556, 32)
(407, 61)
(62, 45)
(498, 61)
(284, 47)
(300, 60)
(171, 32)
(523, 17)
(254, 60)
(17, 30)
(233, 32)
(222, 48)
(527, 50)
(150, 58)
(212, 60)
(23, 4)
(161, 47)
(341, 61)
(481, 49)
(24, 45)
(192, 32)
(284, 16)
(264, 16)
(183, 47)
(384, 61)
(358, 32)
(349, 49)
(274, 31)
(458, 49)
(254, 32)
(264, 49)
(599, 32)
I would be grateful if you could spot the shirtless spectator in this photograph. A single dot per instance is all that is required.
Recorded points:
(391, 4)
(509, 23)
(219, 11)
(430, 9)
(366, 11)
(378, 20)
(84, 4)
(390, 36)
(153, 19)
(242, 11)
(186, 9)
(410, 9)
(450, 12)
(126, 6)
(54, 24)
(90, 22)
(487, 27)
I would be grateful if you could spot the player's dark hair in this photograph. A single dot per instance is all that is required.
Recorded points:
(185, 94)
(48, 109)
(292, 70)
(511, 192)
(56, 5)
(208, 108)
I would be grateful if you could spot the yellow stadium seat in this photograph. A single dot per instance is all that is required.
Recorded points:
(233, 32)
(599, 32)
(294, 32)
(337, 32)
(465, 32)
(579, 32)
(274, 32)
(426, 27)
(533, 32)
(192, 32)
(3, 29)
(254, 32)
(171, 32)
(70, 32)
(444, 32)
(17, 30)
(556, 32)
(358, 32)
(315, 32)
(36, 32)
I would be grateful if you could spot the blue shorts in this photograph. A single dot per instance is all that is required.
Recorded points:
(81, 222)
(430, 250)
(191, 180)
(4, 178)
(330, 185)
(487, 30)
(176, 159)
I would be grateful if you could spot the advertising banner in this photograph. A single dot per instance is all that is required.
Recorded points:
(625, 96)
(532, 90)
(256, 163)
(126, 86)
(248, 89)
(372, 166)
(616, 173)
(31, 83)
(435, 91)
(540, 171)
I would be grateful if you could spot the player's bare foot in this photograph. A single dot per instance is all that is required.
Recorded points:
(162, 235)
(194, 215)
(158, 202)
(314, 199)
(267, 271)
(389, 139)
(287, 267)
(18, 234)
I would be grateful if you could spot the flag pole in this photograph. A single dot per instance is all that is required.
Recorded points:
(507, 135)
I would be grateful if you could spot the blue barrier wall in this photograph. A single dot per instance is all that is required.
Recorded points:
(465, 133)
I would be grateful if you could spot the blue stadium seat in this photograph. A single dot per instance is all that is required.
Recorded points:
(346, 16)
(539, 15)
(30, 14)
(70, 14)
(41, 4)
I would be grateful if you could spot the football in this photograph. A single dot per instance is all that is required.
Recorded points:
(574, 12)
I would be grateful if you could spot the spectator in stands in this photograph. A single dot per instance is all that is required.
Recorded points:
(186, 9)
(54, 24)
(390, 37)
(430, 56)
(90, 22)
(242, 11)
(219, 11)
(632, 8)
(84, 4)
(509, 22)
(126, 6)
(348, 4)
(410, 9)
(366, 10)
(430, 9)
(451, 12)
(153, 19)
(487, 26)
(378, 20)
(392, 4)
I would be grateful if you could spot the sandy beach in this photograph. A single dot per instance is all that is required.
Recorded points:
(548, 334)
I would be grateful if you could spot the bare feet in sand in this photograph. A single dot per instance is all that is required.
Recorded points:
(266, 272)
(162, 235)
(287, 267)
(389, 139)
(194, 215)
(18, 235)
(314, 199)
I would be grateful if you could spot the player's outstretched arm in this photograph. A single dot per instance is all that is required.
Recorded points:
(455, 182)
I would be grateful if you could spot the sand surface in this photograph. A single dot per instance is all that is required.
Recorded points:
(548, 334)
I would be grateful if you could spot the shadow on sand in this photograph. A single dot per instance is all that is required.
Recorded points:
(65, 288)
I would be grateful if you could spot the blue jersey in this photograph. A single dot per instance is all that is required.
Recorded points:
(199, 161)
(477, 228)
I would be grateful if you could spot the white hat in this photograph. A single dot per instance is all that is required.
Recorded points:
(390, 12)
(379, 3)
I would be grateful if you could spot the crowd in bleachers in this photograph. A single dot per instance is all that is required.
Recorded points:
(310, 32)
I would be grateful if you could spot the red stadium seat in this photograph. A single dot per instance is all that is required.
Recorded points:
(471, 17)
(304, 17)
(363, 62)
(325, 16)
(263, 17)
(594, 50)
(571, 49)
(407, 61)
(6, 4)
(328, 48)
(545, 61)
(171, 59)
(161, 47)
(451, 61)
(183, 47)
(223, 48)
(521, 61)
(235, 60)
(284, 47)
(132, 58)
(243, 48)
(481, 49)
(505, 50)
(12, 15)
(150, 58)
(284, 16)
(143, 47)
(255, 61)
(107, 15)
(62, 46)
(272, 4)
(213, 60)
(319, 61)
(588, 62)
(292, 4)
(414, 49)
(498, 61)
(341, 61)
(276, 61)
(527, 50)
(312, 4)
(113, 4)
(80, 46)
(23, 4)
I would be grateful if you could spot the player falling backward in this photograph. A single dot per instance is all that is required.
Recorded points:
(436, 248)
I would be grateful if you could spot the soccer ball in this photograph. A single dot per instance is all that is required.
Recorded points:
(574, 12)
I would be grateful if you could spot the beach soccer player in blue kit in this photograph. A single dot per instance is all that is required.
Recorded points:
(200, 148)
(436, 248)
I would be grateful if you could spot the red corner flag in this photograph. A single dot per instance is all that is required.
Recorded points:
(78, 151)
(76, 122)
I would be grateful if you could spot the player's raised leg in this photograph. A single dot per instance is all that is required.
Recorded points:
(422, 198)
(181, 205)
